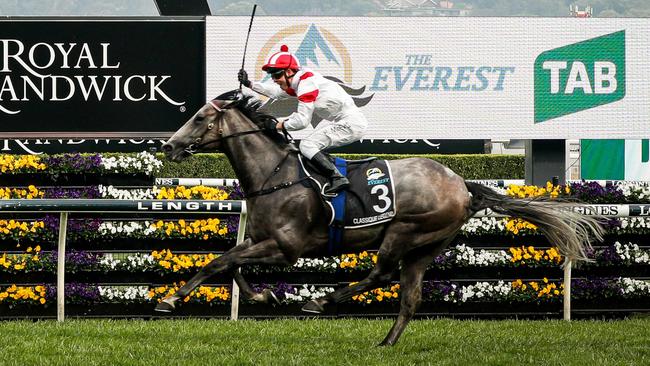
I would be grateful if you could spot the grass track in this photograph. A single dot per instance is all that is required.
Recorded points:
(324, 342)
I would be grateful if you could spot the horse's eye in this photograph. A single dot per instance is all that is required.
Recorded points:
(199, 119)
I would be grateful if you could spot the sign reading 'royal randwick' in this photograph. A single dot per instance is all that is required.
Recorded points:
(116, 78)
(61, 88)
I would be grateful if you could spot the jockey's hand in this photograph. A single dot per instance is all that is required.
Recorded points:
(242, 76)
(270, 124)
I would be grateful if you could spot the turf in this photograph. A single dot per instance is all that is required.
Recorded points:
(324, 342)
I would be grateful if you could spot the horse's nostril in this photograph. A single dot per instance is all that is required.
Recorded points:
(167, 147)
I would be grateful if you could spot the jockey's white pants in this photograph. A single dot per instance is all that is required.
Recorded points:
(335, 134)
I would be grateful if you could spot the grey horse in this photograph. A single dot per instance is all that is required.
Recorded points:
(291, 221)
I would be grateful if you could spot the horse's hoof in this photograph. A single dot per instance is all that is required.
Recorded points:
(385, 343)
(270, 297)
(313, 307)
(164, 307)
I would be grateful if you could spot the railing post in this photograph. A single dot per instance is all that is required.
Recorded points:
(567, 288)
(241, 233)
(60, 269)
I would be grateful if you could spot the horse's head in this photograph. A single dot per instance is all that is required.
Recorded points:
(204, 130)
(216, 121)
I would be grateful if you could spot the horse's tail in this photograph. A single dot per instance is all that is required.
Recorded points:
(570, 231)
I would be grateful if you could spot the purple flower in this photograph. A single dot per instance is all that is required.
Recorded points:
(235, 192)
(437, 290)
(278, 289)
(65, 192)
(75, 293)
(73, 163)
(77, 260)
(594, 288)
(593, 192)
(610, 256)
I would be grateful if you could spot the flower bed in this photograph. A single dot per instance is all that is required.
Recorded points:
(541, 296)
(459, 257)
(499, 265)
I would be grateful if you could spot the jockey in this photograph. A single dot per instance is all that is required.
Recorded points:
(317, 95)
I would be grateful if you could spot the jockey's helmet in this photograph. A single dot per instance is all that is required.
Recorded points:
(282, 60)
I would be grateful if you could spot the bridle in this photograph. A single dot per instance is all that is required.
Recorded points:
(198, 142)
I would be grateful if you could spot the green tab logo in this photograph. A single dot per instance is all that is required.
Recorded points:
(580, 76)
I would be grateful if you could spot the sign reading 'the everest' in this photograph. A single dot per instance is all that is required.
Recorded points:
(99, 78)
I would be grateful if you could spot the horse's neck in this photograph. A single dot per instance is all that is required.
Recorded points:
(253, 157)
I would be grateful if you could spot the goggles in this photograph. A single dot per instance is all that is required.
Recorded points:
(276, 74)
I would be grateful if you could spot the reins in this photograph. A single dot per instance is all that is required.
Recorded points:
(198, 144)
(278, 187)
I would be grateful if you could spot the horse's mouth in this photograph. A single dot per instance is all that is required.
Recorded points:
(178, 155)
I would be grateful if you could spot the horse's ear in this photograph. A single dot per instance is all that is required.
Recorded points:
(222, 104)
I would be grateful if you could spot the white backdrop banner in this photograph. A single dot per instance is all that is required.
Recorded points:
(460, 78)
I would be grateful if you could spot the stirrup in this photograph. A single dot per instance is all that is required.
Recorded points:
(328, 195)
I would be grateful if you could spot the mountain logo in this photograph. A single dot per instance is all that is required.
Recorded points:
(316, 48)
(580, 76)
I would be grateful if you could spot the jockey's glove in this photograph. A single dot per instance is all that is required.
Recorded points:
(242, 76)
(270, 124)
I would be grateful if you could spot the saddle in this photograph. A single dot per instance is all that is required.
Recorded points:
(370, 198)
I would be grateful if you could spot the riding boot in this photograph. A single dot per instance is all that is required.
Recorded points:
(337, 182)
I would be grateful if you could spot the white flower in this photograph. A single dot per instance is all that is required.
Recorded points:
(122, 293)
(632, 253)
(485, 290)
(126, 228)
(143, 162)
(307, 292)
(128, 194)
(468, 256)
(633, 286)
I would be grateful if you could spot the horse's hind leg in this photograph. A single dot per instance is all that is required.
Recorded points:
(414, 264)
(380, 275)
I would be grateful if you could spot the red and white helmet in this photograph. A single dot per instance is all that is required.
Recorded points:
(282, 60)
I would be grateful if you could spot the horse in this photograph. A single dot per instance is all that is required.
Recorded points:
(289, 220)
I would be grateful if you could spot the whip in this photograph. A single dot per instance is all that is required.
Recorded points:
(250, 26)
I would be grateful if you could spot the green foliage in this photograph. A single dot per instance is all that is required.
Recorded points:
(467, 166)
(198, 166)
(324, 342)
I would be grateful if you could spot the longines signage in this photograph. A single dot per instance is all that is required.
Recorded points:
(99, 78)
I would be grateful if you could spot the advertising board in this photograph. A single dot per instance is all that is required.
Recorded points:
(460, 77)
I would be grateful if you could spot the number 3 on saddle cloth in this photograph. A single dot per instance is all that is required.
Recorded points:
(370, 200)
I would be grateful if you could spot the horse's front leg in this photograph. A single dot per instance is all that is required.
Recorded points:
(266, 296)
(265, 252)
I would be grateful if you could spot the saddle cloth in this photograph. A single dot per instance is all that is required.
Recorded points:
(370, 200)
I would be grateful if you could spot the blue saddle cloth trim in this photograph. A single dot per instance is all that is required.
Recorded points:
(338, 202)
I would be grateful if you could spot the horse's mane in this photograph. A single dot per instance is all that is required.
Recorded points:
(249, 106)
